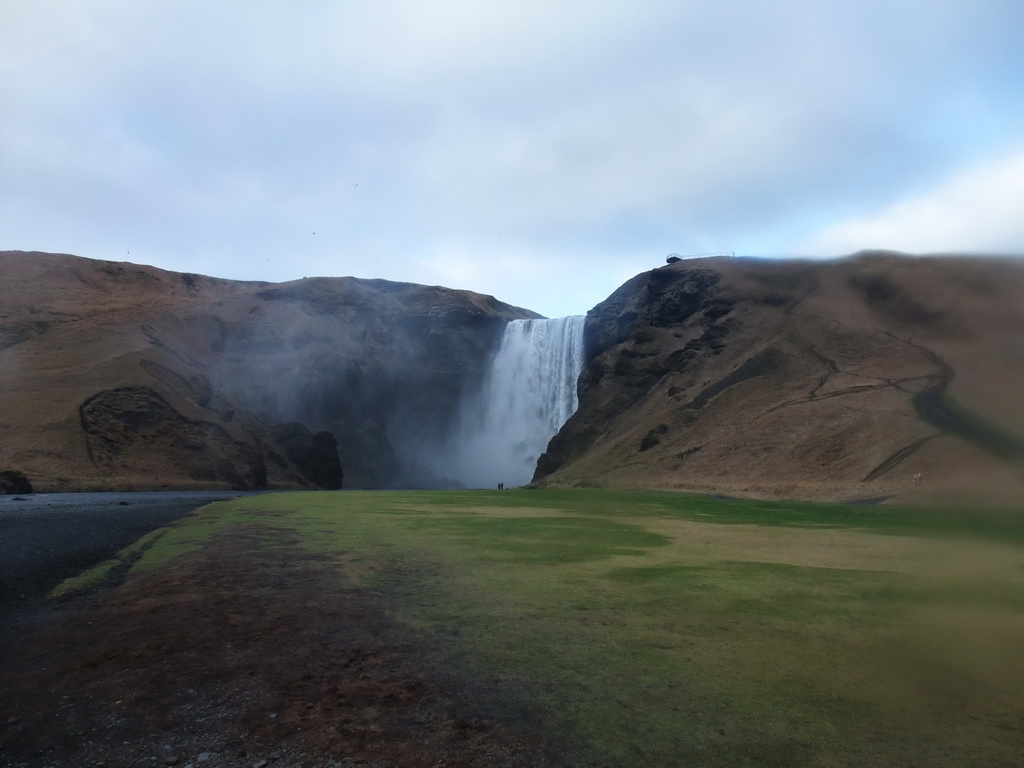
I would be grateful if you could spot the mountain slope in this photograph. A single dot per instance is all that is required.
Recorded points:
(116, 375)
(837, 379)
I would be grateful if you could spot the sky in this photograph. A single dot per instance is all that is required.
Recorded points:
(541, 151)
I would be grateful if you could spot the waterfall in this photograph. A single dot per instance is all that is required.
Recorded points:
(528, 394)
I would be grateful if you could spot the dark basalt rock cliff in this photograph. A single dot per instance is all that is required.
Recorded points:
(625, 354)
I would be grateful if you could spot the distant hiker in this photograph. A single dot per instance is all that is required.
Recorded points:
(501, 486)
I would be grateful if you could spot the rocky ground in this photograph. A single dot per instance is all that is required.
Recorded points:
(242, 656)
(48, 537)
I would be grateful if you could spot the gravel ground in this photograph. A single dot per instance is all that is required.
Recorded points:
(48, 537)
(241, 655)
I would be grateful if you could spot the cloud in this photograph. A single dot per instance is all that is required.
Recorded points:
(977, 209)
(529, 146)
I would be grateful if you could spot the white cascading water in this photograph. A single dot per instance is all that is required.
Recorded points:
(529, 393)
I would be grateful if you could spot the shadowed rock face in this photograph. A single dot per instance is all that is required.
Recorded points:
(133, 431)
(316, 455)
(12, 481)
(870, 376)
(383, 366)
(116, 375)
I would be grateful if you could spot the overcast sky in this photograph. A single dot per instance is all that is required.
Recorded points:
(540, 151)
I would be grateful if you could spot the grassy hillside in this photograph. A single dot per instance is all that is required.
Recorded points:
(122, 376)
(662, 629)
(880, 374)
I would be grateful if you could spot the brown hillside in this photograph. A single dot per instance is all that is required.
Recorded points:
(839, 379)
(115, 375)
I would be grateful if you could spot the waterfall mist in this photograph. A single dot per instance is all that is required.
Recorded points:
(528, 394)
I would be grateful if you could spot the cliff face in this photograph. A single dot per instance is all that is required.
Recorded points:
(382, 365)
(859, 378)
(115, 375)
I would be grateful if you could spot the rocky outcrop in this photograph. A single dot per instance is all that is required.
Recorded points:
(314, 454)
(132, 432)
(827, 379)
(655, 324)
(12, 481)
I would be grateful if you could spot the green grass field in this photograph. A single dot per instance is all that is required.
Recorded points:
(662, 629)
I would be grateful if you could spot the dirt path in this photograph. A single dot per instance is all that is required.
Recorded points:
(237, 655)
